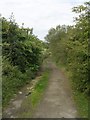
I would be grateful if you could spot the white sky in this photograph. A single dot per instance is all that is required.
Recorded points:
(40, 14)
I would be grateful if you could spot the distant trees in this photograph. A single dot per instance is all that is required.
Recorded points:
(69, 46)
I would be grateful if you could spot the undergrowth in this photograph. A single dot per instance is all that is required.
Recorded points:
(32, 101)
(80, 98)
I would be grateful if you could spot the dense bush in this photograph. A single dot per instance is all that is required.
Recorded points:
(22, 57)
(20, 46)
(69, 46)
(13, 80)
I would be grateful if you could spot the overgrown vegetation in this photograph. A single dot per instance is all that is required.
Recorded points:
(81, 103)
(36, 96)
(22, 57)
(69, 46)
(23, 54)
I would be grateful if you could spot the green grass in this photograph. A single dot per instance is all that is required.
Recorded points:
(39, 88)
(81, 100)
(30, 103)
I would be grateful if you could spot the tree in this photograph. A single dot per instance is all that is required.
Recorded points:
(69, 46)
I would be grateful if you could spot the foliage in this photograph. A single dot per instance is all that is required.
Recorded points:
(69, 46)
(36, 95)
(13, 79)
(22, 48)
(22, 56)
(81, 103)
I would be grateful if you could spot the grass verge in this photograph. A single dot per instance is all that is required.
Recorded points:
(30, 103)
(81, 103)
(81, 100)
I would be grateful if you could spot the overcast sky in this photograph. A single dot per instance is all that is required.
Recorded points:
(40, 14)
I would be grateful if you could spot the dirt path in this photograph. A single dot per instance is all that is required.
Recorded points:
(57, 101)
